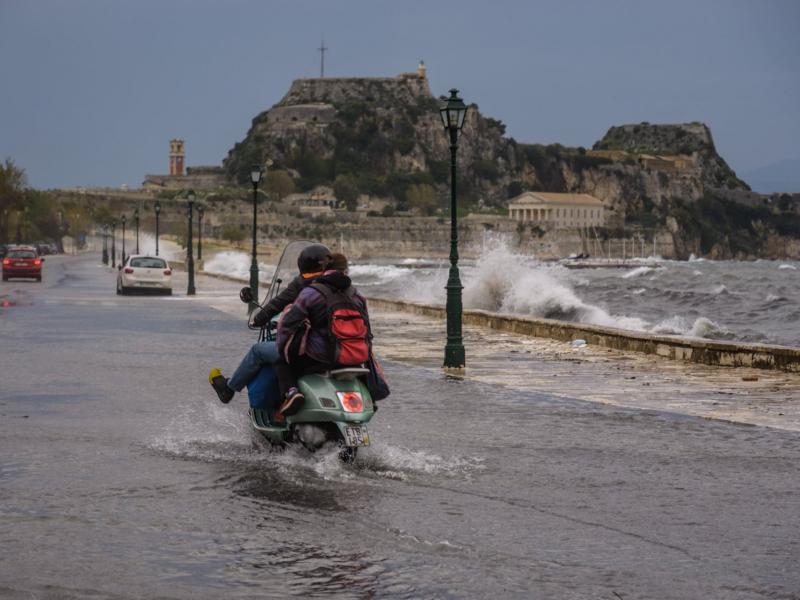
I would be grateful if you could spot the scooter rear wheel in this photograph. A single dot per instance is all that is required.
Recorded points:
(347, 454)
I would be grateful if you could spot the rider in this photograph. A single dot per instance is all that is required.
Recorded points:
(304, 340)
(312, 262)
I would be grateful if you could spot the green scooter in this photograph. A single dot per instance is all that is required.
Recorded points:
(337, 404)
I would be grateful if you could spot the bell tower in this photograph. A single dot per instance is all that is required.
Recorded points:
(421, 70)
(176, 157)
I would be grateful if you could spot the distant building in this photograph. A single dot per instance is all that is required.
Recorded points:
(670, 163)
(557, 211)
(200, 177)
(176, 157)
(319, 201)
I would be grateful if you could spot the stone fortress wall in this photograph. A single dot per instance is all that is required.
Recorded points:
(336, 90)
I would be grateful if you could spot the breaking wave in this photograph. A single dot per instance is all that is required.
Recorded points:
(505, 282)
(237, 265)
(637, 272)
(701, 327)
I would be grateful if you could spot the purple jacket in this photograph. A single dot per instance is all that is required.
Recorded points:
(309, 307)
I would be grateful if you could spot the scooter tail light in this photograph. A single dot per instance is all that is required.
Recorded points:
(351, 401)
(6, 261)
(128, 270)
(167, 271)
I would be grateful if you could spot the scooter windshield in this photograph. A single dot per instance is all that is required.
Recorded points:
(287, 267)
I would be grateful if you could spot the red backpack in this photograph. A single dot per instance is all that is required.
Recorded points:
(348, 326)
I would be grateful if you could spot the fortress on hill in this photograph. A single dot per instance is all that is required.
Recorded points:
(310, 102)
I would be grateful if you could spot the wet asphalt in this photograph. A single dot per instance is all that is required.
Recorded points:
(121, 476)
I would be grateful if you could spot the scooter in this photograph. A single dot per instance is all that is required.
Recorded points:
(337, 405)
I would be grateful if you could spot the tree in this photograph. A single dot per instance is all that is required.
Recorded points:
(233, 234)
(345, 188)
(278, 184)
(12, 183)
(12, 188)
(422, 197)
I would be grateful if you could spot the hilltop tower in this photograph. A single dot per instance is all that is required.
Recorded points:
(176, 157)
(421, 70)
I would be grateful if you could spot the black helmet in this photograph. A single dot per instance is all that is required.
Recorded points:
(313, 258)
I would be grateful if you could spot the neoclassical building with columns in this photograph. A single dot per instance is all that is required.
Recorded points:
(557, 211)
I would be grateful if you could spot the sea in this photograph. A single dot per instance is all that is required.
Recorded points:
(753, 301)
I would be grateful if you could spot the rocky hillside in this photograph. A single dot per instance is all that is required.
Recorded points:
(383, 137)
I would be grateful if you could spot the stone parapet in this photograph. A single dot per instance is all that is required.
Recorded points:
(709, 352)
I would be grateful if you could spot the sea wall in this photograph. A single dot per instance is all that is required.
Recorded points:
(709, 352)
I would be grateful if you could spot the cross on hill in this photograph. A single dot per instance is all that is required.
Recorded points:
(322, 50)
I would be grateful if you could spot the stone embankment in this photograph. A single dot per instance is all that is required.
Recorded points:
(709, 352)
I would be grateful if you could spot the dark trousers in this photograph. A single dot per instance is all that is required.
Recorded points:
(287, 374)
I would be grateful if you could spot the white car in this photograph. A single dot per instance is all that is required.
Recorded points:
(141, 272)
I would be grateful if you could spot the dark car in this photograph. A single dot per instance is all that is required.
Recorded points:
(22, 262)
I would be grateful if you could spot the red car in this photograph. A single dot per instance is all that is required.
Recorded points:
(22, 262)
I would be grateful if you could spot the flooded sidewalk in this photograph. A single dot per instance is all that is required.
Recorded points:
(592, 373)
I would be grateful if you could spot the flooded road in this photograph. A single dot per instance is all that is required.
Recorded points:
(121, 476)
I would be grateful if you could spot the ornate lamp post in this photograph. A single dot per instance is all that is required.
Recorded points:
(105, 244)
(124, 220)
(453, 111)
(255, 177)
(200, 212)
(113, 243)
(157, 208)
(190, 291)
(136, 221)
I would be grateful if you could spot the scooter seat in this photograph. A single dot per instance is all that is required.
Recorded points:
(348, 373)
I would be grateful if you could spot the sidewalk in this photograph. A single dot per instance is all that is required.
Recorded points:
(595, 374)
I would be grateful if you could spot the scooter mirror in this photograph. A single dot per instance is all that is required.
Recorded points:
(246, 295)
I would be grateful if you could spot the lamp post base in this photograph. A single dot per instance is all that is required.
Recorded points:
(455, 372)
(454, 357)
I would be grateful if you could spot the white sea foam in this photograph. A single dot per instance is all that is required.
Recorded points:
(786, 266)
(376, 274)
(506, 282)
(701, 327)
(720, 289)
(236, 264)
(637, 272)
(639, 292)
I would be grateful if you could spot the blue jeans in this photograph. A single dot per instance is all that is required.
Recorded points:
(260, 354)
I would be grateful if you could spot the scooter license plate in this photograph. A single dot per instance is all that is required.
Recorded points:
(356, 435)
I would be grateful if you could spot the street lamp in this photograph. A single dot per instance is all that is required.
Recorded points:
(105, 244)
(200, 212)
(136, 220)
(124, 220)
(5, 225)
(157, 208)
(255, 177)
(453, 110)
(113, 243)
(189, 258)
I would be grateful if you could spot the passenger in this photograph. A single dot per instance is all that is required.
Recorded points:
(312, 262)
(305, 339)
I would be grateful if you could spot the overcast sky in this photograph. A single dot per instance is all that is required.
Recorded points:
(91, 91)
